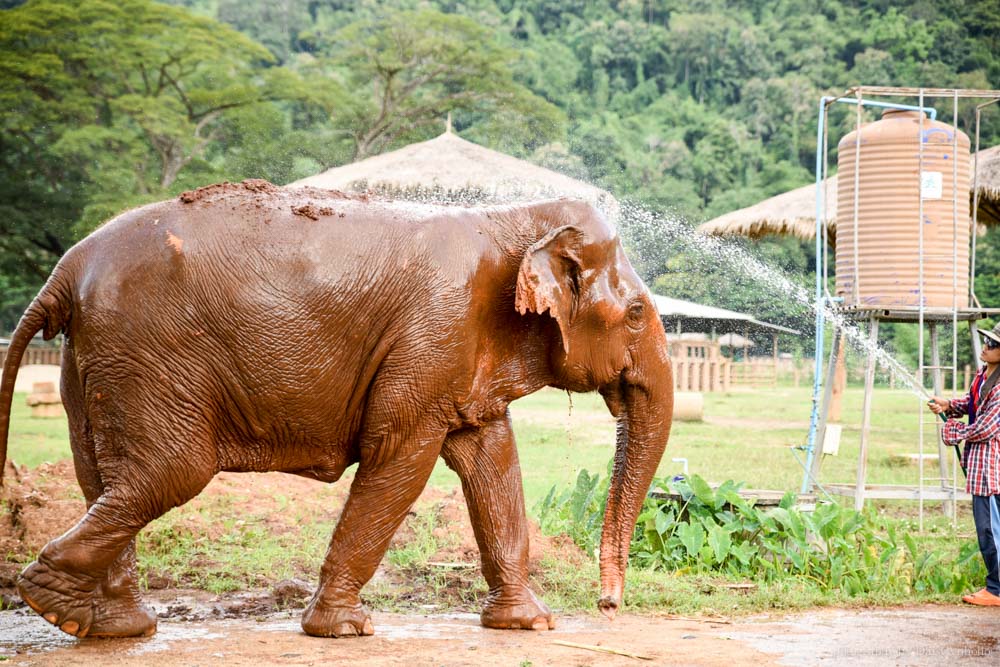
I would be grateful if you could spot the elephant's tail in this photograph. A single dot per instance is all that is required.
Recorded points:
(49, 312)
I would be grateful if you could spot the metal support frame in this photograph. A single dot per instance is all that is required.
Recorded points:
(937, 385)
(866, 419)
(826, 302)
(813, 471)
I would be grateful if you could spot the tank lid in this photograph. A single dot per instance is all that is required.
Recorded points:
(900, 114)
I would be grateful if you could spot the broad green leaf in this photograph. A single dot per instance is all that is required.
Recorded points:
(743, 552)
(692, 536)
(702, 491)
(664, 520)
(720, 542)
(706, 556)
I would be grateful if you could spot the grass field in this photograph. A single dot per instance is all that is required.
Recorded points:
(748, 436)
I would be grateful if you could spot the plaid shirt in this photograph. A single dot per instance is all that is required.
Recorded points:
(982, 437)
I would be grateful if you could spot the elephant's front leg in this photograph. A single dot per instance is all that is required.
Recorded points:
(390, 478)
(486, 461)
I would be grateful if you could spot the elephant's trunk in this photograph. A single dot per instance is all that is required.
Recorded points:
(645, 405)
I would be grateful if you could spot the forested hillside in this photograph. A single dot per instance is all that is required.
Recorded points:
(694, 107)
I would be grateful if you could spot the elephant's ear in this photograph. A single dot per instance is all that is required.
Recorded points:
(548, 279)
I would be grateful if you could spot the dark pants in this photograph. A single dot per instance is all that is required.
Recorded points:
(986, 514)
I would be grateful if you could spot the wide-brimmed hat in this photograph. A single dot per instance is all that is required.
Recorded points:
(993, 334)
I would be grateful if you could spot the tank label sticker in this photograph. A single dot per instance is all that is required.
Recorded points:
(930, 185)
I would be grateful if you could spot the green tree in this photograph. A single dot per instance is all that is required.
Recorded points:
(409, 69)
(107, 103)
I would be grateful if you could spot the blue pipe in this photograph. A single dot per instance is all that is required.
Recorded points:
(820, 299)
(931, 111)
(818, 354)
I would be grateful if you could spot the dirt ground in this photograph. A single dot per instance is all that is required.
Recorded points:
(926, 635)
(262, 626)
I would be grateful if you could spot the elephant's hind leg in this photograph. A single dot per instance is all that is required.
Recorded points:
(63, 583)
(117, 604)
(118, 607)
(486, 461)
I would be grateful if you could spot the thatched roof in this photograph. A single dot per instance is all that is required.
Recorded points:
(794, 212)
(790, 213)
(450, 168)
(989, 185)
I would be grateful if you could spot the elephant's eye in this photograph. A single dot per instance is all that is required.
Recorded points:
(636, 313)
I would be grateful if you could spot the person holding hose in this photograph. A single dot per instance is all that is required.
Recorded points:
(981, 458)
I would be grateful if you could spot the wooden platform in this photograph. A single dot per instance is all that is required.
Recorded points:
(761, 497)
(897, 492)
(912, 313)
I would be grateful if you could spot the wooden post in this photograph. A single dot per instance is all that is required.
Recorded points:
(866, 421)
(774, 356)
(746, 360)
(976, 345)
(839, 379)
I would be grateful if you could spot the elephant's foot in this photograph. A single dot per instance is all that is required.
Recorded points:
(122, 616)
(62, 599)
(322, 619)
(516, 608)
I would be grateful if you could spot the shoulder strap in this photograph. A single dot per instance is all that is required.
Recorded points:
(989, 383)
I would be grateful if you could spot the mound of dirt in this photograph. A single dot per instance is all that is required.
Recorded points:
(38, 505)
(254, 185)
(35, 506)
(312, 211)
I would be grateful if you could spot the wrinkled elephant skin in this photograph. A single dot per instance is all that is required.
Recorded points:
(245, 327)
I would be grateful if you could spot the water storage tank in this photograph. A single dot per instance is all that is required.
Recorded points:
(890, 186)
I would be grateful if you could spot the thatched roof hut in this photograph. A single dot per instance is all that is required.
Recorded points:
(449, 168)
(989, 185)
(794, 212)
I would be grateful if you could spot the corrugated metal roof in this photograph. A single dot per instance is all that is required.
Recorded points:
(674, 308)
(678, 309)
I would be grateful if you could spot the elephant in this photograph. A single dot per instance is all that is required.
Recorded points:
(249, 327)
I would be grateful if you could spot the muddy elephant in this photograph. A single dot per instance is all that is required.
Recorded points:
(246, 327)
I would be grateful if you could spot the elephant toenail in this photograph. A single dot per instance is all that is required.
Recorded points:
(345, 630)
(369, 629)
(540, 624)
(51, 617)
(70, 627)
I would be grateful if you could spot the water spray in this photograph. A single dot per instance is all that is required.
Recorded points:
(672, 230)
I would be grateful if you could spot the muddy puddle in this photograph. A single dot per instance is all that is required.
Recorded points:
(197, 629)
